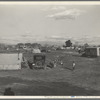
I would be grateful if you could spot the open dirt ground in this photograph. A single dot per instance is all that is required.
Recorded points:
(61, 80)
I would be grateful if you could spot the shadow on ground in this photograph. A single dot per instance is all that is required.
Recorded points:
(26, 87)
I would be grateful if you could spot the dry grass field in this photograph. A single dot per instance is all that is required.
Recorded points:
(61, 80)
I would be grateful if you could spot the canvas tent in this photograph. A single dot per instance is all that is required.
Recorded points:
(36, 51)
(92, 51)
(10, 61)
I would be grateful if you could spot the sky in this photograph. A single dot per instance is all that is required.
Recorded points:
(49, 22)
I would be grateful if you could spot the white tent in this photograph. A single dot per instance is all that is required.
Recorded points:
(36, 51)
(10, 61)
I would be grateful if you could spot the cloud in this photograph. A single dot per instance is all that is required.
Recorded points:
(58, 38)
(58, 8)
(20, 38)
(54, 8)
(67, 14)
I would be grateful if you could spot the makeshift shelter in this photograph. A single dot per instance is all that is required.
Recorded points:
(36, 51)
(10, 61)
(92, 51)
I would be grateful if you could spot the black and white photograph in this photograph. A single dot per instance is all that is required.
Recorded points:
(50, 48)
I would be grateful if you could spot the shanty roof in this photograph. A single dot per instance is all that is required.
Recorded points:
(92, 47)
(10, 59)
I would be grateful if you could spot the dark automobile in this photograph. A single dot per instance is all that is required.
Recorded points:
(39, 60)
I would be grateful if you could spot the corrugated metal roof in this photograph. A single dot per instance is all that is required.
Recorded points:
(10, 59)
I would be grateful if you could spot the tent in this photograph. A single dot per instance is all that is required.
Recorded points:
(36, 51)
(10, 61)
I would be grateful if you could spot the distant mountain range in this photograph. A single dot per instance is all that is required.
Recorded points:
(61, 40)
(78, 40)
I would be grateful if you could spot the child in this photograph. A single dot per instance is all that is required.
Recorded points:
(61, 63)
(73, 65)
(55, 63)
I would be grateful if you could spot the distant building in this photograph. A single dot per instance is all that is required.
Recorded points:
(92, 51)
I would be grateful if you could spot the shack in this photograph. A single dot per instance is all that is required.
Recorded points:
(10, 61)
(92, 51)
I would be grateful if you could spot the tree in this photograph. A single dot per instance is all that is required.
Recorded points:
(86, 45)
(68, 43)
(28, 44)
(20, 45)
(36, 45)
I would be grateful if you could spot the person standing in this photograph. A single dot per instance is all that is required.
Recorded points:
(79, 50)
(55, 63)
(73, 65)
(8, 92)
(61, 62)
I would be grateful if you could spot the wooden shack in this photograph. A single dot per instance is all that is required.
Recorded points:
(92, 51)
